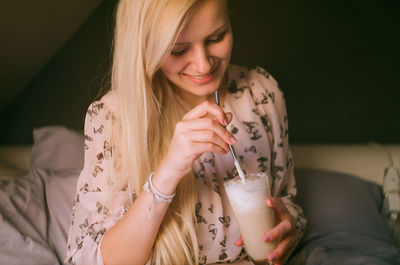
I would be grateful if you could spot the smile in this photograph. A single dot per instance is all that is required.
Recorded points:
(201, 79)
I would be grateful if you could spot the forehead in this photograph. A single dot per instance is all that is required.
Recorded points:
(209, 15)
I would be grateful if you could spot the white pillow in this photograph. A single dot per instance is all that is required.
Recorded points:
(18, 156)
(366, 161)
(8, 171)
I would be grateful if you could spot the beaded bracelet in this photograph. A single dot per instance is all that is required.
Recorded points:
(155, 194)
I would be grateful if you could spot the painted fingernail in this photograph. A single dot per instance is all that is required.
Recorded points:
(233, 140)
(267, 237)
(237, 243)
(271, 256)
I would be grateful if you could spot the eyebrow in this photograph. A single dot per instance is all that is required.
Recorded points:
(221, 28)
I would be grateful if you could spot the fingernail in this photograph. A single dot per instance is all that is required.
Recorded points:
(237, 243)
(225, 122)
(271, 257)
(267, 237)
(233, 140)
(269, 202)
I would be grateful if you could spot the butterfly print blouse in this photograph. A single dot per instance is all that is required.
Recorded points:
(261, 126)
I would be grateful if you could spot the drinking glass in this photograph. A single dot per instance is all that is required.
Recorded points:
(254, 217)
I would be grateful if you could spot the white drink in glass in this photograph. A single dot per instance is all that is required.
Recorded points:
(254, 217)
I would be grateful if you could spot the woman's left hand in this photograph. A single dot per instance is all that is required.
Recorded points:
(284, 232)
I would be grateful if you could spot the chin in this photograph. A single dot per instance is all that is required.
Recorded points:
(205, 90)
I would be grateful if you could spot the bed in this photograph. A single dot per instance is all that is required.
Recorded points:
(339, 188)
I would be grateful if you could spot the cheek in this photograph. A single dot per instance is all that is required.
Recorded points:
(224, 50)
(172, 66)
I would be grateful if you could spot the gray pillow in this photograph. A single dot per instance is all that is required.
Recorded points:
(35, 209)
(57, 148)
(344, 221)
(24, 222)
(58, 157)
(60, 192)
(334, 201)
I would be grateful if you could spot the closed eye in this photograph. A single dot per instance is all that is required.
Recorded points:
(182, 51)
(178, 52)
(219, 38)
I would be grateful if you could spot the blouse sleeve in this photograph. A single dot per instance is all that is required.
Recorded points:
(97, 206)
(270, 102)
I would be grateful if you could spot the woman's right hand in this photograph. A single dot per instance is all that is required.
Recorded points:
(201, 130)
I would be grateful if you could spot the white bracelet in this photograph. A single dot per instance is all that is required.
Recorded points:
(164, 196)
(155, 194)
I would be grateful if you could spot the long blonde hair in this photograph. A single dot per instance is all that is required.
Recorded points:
(148, 110)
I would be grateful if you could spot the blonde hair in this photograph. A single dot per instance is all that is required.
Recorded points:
(148, 110)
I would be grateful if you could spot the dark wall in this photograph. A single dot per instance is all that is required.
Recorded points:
(62, 91)
(337, 61)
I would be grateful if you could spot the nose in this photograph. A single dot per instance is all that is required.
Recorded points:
(201, 60)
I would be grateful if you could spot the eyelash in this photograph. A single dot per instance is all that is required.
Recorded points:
(218, 39)
(178, 53)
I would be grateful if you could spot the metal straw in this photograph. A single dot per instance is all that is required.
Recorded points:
(235, 160)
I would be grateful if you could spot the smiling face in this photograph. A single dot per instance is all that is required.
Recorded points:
(199, 59)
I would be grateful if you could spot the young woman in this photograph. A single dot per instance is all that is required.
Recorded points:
(160, 122)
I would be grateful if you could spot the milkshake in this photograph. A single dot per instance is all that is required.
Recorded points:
(248, 201)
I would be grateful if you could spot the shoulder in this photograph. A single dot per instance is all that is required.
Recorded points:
(102, 109)
(259, 73)
(258, 80)
(251, 75)
(99, 121)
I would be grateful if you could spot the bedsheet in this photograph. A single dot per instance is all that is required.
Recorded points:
(32, 229)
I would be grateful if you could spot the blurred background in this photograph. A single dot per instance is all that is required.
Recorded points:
(338, 63)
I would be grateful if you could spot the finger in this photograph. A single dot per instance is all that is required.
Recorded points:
(280, 211)
(282, 250)
(208, 136)
(239, 242)
(277, 203)
(279, 231)
(229, 116)
(205, 108)
(204, 124)
(194, 149)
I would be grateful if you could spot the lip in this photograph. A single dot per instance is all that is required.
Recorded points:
(203, 79)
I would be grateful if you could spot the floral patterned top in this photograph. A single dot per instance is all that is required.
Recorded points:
(259, 123)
